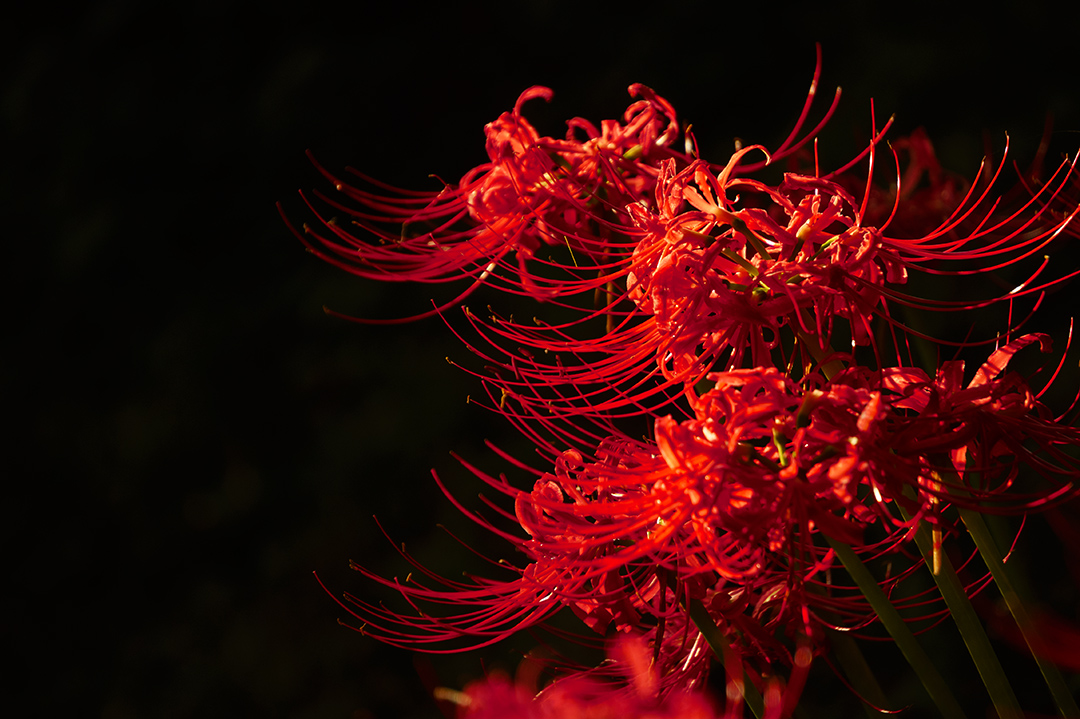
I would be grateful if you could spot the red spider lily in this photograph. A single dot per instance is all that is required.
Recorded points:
(974, 440)
(736, 289)
(534, 191)
(676, 267)
(716, 279)
(712, 537)
(619, 541)
(726, 508)
(705, 504)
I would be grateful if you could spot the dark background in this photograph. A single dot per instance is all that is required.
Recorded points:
(190, 436)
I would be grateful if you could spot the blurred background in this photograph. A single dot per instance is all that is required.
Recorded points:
(190, 436)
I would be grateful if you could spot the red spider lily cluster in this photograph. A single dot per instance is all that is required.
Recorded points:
(756, 328)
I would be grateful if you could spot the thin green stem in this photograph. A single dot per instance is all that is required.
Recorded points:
(971, 628)
(857, 670)
(830, 368)
(1066, 704)
(916, 656)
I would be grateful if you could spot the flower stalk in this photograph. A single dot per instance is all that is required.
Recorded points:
(1063, 697)
(970, 626)
(916, 656)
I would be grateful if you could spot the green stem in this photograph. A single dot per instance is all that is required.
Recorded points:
(831, 368)
(916, 656)
(971, 628)
(1066, 704)
(855, 667)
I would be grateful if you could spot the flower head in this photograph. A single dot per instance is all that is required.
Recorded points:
(533, 191)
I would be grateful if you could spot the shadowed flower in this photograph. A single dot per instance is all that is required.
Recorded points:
(924, 197)
(970, 442)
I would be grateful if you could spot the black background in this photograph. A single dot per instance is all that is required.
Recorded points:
(190, 436)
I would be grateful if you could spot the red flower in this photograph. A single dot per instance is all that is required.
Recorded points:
(716, 277)
(534, 191)
(725, 508)
(724, 266)
(721, 509)
(585, 697)
(972, 441)
(716, 526)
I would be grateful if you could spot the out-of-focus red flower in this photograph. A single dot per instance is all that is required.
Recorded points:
(634, 695)
(1052, 637)
(917, 202)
